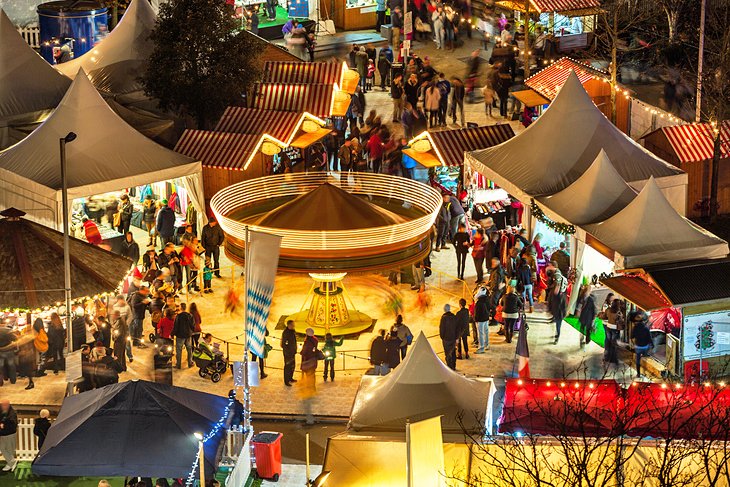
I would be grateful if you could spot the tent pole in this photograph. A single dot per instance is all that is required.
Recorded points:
(409, 465)
(246, 390)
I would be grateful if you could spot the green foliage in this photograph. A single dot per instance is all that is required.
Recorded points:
(201, 61)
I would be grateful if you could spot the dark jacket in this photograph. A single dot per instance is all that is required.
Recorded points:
(211, 237)
(78, 330)
(524, 274)
(454, 206)
(40, 429)
(392, 351)
(289, 342)
(166, 222)
(184, 325)
(588, 313)
(9, 422)
(139, 306)
(496, 279)
(447, 327)
(462, 242)
(481, 309)
(131, 250)
(148, 212)
(378, 351)
(462, 322)
(126, 211)
(512, 303)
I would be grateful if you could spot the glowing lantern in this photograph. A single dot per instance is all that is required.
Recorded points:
(270, 149)
(423, 145)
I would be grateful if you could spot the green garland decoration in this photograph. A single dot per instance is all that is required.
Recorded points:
(561, 228)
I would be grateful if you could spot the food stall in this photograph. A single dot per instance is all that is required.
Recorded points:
(351, 14)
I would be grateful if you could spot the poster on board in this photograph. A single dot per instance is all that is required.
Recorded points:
(706, 335)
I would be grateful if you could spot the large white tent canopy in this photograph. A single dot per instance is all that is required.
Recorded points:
(563, 143)
(29, 86)
(108, 155)
(649, 231)
(420, 388)
(115, 64)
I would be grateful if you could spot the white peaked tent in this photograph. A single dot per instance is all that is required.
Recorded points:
(422, 387)
(116, 62)
(597, 194)
(29, 86)
(649, 231)
(108, 155)
(562, 144)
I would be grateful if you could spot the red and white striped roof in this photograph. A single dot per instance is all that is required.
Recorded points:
(549, 81)
(218, 149)
(316, 99)
(695, 142)
(301, 72)
(451, 144)
(242, 120)
(564, 5)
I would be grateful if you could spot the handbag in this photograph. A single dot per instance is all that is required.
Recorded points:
(498, 314)
(117, 218)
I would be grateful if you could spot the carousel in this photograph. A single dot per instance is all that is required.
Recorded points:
(332, 224)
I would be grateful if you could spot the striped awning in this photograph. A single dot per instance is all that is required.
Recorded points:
(696, 142)
(218, 149)
(313, 98)
(549, 81)
(566, 7)
(300, 72)
(242, 120)
(451, 144)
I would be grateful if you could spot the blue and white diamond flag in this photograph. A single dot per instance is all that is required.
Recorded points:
(264, 259)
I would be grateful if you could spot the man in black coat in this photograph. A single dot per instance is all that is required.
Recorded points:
(481, 317)
(289, 350)
(379, 354)
(211, 239)
(462, 329)
(449, 334)
(182, 330)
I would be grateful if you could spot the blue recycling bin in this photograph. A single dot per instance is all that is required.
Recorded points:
(70, 28)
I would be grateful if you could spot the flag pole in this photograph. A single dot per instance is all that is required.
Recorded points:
(246, 390)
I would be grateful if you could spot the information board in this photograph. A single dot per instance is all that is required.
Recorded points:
(706, 335)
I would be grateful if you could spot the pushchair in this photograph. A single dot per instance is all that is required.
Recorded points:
(209, 364)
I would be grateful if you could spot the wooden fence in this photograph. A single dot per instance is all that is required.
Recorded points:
(32, 35)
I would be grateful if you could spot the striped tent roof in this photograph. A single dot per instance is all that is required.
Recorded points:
(581, 7)
(313, 98)
(451, 144)
(301, 72)
(548, 81)
(218, 149)
(695, 142)
(242, 120)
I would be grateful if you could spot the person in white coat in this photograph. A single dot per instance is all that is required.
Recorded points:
(438, 27)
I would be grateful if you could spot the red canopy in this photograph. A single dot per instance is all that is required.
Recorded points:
(561, 408)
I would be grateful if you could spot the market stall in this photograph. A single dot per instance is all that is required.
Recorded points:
(328, 73)
(351, 14)
(690, 147)
(107, 155)
(321, 100)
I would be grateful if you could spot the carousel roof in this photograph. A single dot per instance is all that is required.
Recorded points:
(328, 207)
(31, 257)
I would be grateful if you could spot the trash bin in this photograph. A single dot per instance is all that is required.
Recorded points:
(162, 363)
(267, 451)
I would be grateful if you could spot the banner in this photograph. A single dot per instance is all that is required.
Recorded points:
(706, 335)
(263, 255)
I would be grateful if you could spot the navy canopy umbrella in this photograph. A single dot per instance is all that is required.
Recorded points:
(132, 428)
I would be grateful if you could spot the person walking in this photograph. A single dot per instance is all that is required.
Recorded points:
(361, 64)
(462, 243)
(587, 317)
(456, 214)
(431, 102)
(481, 317)
(392, 349)
(125, 214)
(182, 330)
(444, 87)
(398, 97)
(490, 96)
(404, 333)
(8, 348)
(495, 285)
(56, 341)
(8, 434)
(526, 276)
(165, 224)
(211, 238)
(641, 337)
(289, 351)
(512, 306)
(458, 91)
(613, 321)
(41, 426)
(330, 354)
(378, 354)
(437, 18)
(478, 253)
(149, 214)
(411, 90)
(396, 22)
(557, 299)
(308, 366)
(140, 304)
(120, 339)
(448, 334)
(462, 330)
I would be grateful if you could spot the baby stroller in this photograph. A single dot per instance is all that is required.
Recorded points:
(209, 364)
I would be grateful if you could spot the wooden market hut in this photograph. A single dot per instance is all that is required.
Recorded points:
(544, 85)
(321, 100)
(32, 260)
(328, 73)
(690, 147)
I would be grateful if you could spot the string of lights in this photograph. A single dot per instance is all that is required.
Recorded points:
(559, 227)
(213, 432)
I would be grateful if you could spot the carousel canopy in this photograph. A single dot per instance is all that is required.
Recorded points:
(28, 84)
(562, 144)
(649, 231)
(134, 428)
(600, 190)
(32, 260)
(115, 64)
(422, 387)
(328, 207)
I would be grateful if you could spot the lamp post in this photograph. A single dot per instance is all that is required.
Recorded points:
(70, 137)
(201, 458)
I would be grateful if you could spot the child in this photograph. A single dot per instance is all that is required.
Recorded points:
(41, 426)
(489, 97)
(207, 276)
(330, 352)
(370, 75)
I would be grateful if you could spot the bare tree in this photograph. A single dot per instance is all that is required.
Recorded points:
(673, 10)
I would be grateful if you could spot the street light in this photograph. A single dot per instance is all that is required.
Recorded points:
(70, 137)
(201, 457)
